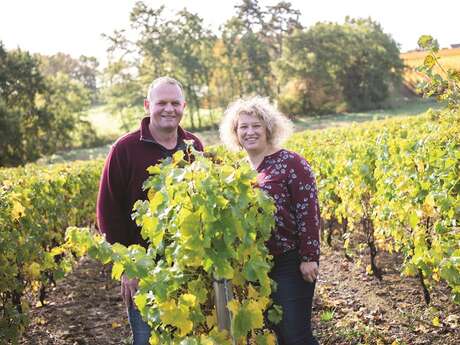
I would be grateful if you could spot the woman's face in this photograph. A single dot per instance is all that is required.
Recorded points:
(252, 133)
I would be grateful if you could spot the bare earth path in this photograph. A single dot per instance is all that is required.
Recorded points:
(351, 307)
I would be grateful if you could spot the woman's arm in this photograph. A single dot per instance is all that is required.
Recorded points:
(304, 202)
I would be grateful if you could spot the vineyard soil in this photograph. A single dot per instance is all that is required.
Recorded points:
(351, 307)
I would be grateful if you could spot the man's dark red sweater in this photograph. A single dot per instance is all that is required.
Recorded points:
(121, 182)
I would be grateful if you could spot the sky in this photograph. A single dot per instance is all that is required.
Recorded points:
(75, 27)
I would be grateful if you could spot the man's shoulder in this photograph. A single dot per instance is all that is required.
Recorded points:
(127, 139)
(190, 136)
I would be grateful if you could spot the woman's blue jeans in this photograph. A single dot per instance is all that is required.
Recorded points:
(295, 296)
(139, 328)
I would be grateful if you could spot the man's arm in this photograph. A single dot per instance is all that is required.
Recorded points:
(111, 218)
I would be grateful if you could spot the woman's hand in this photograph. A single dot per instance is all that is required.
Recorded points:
(128, 289)
(309, 271)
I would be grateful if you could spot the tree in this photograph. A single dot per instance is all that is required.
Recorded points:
(245, 52)
(180, 47)
(83, 70)
(123, 92)
(282, 22)
(38, 114)
(189, 44)
(373, 65)
(349, 66)
(22, 123)
(308, 67)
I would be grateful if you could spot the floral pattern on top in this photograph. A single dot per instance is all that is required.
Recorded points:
(288, 179)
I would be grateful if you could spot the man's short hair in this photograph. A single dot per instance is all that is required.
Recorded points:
(164, 80)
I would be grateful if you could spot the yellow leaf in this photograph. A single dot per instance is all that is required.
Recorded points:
(178, 156)
(153, 340)
(271, 339)
(252, 293)
(149, 229)
(17, 210)
(369, 270)
(57, 250)
(211, 320)
(420, 166)
(115, 325)
(32, 270)
(255, 311)
(151, 193)
(153, 169)
(436, 322)
(238, 279)
(428, 206)
(117, 270)
(188, 299)
(233, 306)
(185, 326)
(41, 321)
(176, 315)
(429, 61)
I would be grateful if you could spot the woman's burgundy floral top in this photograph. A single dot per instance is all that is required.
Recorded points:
(289, 180)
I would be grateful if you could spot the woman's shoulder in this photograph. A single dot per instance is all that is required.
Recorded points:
(292, 157)
(296, 163)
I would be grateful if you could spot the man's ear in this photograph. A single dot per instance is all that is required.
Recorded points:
(185, 104)
(146, 105)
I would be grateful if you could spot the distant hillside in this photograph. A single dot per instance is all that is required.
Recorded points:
(450, 58)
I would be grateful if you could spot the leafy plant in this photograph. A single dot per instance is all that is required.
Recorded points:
(204, 222)
(440, 82)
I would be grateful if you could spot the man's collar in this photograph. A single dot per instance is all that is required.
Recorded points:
(146, 135)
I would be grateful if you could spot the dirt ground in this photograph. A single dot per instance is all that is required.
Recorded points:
(85, 308)
(351, 307)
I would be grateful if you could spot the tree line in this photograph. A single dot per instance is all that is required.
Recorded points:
(324, 68)
(327, 67)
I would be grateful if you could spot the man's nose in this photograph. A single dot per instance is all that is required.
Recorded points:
(169, 107)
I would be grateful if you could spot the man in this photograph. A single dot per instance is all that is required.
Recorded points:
(158, 137)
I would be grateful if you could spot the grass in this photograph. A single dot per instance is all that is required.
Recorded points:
(108, 126)
(327, 315)
(76, 154)
(104, 123)
(405, 108)
(209, 119)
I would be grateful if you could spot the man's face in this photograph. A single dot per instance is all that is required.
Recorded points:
(165, 107)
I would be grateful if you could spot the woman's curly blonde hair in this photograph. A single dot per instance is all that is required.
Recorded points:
(279, 127)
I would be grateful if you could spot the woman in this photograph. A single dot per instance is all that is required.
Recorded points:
(254, 125)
